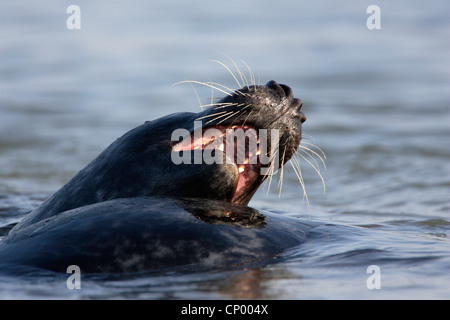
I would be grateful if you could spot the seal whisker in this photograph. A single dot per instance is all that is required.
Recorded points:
(311, 157)
(316, 169)
(322, 156)
(271, 167)
(212, 96)
(295, 164)
(228, 104)
(210, 115)
(236, 112)
(196, 94)
(311, 154)
(252, 75)
(219, 104)
(268, 182)
(308, 136)
(243, 77)
(316, 147)
(220, 116)
(229, 70)
(251, 111)
(207, 84)
(239, 111)
(232, 114)
(280, 181)
(225, 87)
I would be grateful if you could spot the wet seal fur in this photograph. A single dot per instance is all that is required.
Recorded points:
(133, 209)
(145, 233)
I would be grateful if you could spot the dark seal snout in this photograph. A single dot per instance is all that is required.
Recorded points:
(286, 93)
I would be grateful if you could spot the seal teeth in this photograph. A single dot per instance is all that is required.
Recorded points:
(221, 147)
(241, 169)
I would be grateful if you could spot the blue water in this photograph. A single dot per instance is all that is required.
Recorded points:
(377, 104)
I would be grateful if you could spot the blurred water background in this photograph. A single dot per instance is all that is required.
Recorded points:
(377, 103)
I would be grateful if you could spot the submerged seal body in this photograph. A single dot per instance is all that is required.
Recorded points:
(150, 233)
(139, 203)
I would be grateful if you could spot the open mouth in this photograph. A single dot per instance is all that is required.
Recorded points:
(238, 145)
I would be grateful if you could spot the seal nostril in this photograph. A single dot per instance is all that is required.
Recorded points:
(297, 107)
(278, 88)
(287, 91)
(283, 90)
(297, 103)
(302, 117)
